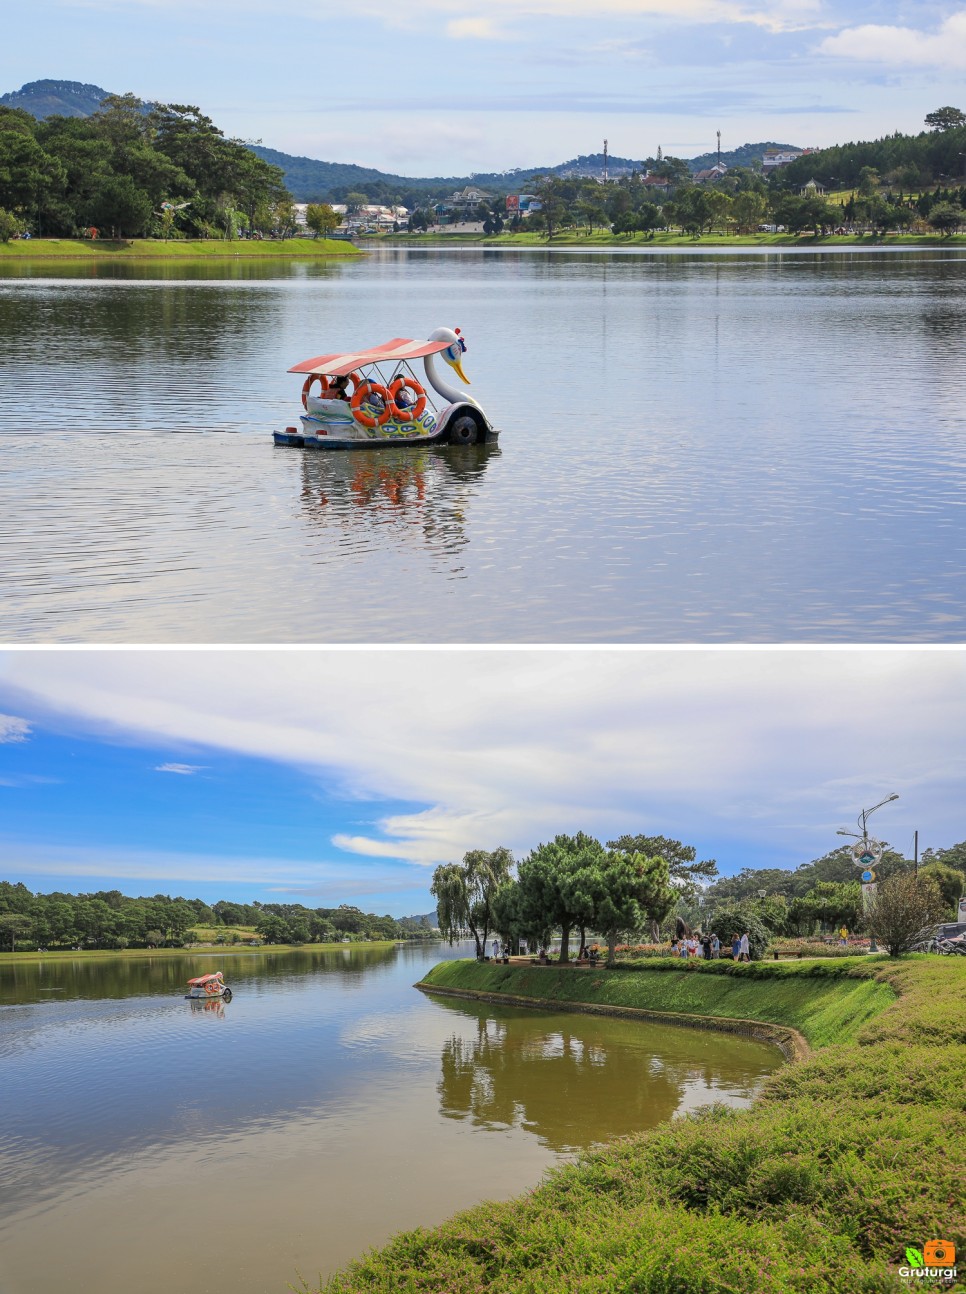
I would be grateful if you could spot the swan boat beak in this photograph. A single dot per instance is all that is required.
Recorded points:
(459, 369)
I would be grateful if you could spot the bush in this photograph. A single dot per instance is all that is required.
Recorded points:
(9, 225)
(815, 948)
(904, 906)
(729, 918)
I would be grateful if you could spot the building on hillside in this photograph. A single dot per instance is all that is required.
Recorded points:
(657, 184)
(775, 158)
(813, 190)
(711, 174)
(467, 199)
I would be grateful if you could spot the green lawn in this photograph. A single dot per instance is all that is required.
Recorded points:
(571, 238)
(845, 1159)
(176, 249)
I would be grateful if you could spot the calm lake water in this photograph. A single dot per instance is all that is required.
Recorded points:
(149, 1144)
(696, 446)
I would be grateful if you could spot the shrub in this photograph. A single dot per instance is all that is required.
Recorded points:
(904, 906)
(731, 918)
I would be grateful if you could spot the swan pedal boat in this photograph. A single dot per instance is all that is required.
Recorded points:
(209, 986)
(387, 404)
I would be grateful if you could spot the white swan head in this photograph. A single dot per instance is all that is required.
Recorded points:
(453, 354)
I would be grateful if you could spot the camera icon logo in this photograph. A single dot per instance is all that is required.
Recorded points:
(939, 1253)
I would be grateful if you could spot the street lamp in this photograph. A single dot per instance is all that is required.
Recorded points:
(861, 821)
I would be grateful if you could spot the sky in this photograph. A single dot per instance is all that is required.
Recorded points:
(347, 775)
(436, 88)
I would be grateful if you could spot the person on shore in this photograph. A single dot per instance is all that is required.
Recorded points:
(496, 949)
(715, 947)
(844, 935)
(674, 947)
(706, 947)
(744, 949)
(735, 946)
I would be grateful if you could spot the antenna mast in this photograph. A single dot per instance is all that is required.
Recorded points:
(719, 147)
(605, 161)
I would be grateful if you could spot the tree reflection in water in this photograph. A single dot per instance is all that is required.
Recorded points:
(576, 1080)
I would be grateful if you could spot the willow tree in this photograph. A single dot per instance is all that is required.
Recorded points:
(464, 894)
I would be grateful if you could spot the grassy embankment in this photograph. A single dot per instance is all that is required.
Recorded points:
(196, 950)
(140, 249)
(845, 1159)
(600, 238)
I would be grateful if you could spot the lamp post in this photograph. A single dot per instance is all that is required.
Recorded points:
(867, 848)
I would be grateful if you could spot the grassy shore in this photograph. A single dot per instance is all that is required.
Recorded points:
(844, 1160)
(570, 238)
(151, 249)
(200, 950)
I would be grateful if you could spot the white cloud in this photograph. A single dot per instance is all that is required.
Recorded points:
(473, 29)
(903, 46)
(13, 729)
(185, 770)
(509, 747)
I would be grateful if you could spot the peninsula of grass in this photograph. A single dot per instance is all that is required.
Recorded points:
(152, 249)
(846, 1158)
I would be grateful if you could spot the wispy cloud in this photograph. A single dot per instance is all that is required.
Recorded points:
(185, 770)
(776, 16)
(897, 46)
(13, 729)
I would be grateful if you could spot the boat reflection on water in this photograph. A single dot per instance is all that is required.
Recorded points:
(366, 492)
(214, 1006)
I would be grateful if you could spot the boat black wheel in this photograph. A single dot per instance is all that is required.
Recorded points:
(227, 995)
(464, 430)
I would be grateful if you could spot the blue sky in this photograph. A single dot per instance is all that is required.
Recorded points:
(432, 88)
(347, 775)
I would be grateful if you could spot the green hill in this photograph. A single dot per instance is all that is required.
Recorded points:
(44, 99)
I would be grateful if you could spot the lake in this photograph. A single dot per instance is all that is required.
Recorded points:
(699, 446)
(152, 1144)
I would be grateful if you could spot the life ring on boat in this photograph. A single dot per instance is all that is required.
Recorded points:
(362, 393)
(328, 388)
(409, 412)
(213, 987)
(307, 387)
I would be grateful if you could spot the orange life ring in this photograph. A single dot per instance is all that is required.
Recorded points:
(362, 392)
(307, 387)
(328, 387)
(410, 412)
(213, 986)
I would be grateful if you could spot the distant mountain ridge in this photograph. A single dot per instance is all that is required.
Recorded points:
(311, 180)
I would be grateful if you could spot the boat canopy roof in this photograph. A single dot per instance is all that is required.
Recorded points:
(203, 979)
(399, 348)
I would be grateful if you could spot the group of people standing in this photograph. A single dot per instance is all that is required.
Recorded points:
(709, 946)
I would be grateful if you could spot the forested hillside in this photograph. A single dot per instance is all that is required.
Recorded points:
(112, 920)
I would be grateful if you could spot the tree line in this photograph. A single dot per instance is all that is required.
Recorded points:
(652, 887)
(130, 170)
(108, 919)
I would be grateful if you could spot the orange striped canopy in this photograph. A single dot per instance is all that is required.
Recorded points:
(397, 349)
